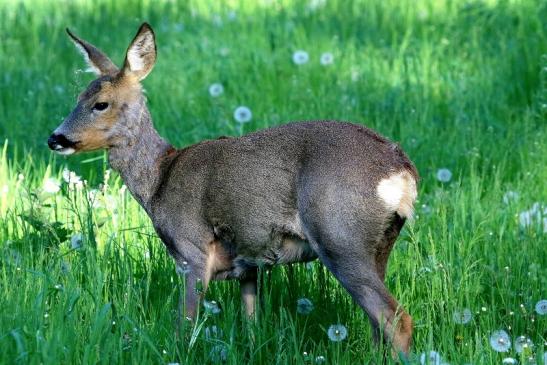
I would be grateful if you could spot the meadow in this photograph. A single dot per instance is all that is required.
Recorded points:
(461, 85)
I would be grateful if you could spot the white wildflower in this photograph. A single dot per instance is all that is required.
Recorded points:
(51, 186)
(337, 332)
(70, 176)
(216, 89)
(444, 175)
(242, 114)
(300, 57)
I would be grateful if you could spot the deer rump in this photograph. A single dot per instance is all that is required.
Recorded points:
(267, 197)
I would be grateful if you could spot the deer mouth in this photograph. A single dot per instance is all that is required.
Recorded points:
(62, 145)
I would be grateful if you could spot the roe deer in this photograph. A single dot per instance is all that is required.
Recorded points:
(329, 190)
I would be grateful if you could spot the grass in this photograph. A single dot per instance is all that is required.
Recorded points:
(460, 84)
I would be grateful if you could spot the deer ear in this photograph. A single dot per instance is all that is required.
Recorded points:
(141, 54)
(97, 61)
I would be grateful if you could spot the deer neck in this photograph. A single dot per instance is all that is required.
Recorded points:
(137, 156)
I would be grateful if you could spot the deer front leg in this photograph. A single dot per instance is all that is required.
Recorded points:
(248, 295)
(195, 286)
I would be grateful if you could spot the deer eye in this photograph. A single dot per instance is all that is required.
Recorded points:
(100, 106)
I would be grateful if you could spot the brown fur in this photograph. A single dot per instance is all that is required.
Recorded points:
(225, 207)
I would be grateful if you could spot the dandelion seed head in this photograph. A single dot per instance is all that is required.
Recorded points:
(300, 57)
(216, 89)
(462, 316)
(509, 361)
(337, 332)
(444, 175)
(541, 307)
(304, 306)
(76, 241)
(327, 58)
(523, 344)
(320, 359)
(430, 358)
(500, 341)
(243, 114)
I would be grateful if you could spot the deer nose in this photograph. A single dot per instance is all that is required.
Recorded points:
(58, 142)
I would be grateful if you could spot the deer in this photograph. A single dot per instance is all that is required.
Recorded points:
(328, 190)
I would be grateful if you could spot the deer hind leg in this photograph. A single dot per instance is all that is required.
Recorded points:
(352, 252)
(361, 280)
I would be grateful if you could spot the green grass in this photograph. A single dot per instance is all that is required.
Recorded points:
(460, 84)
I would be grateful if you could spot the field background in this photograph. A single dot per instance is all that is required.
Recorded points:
(460, 85)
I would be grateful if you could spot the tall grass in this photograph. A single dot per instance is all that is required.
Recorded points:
(461, 85)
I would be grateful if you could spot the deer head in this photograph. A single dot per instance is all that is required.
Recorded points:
(106, 110)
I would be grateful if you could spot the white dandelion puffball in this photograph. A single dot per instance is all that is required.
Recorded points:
(522, 343)
(216, 89)
(430, 358)
(541, 307)
(70, 177)
(444, 175)
(242, 114)
(300, 57)
(76, 241)
(51, 186)
(463, 316)
(337, 332)
(510, 196)
(211, 306)
(509, 361)
(320, 359)
(327, 59)
(304, 306)
(500, 341)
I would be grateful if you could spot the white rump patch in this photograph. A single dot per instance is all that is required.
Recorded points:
(398, 192)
